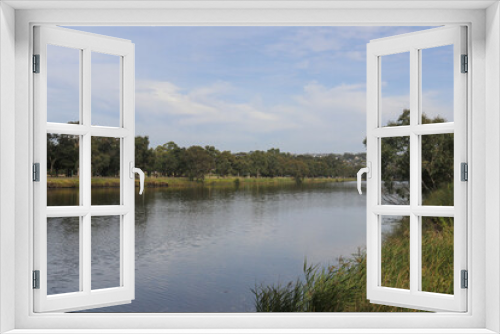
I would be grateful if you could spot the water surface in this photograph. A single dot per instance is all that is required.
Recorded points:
(204, 249)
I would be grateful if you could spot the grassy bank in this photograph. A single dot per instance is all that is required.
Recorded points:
(183, 182)
(342, 288)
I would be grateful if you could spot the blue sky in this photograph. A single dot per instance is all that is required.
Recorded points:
(301, 89)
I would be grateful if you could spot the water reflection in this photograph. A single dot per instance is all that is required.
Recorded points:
(203, 249)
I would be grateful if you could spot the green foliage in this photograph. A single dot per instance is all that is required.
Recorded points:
(168, 159)
(340, 288)
(437, 160)
(105, 156)
(62, 154)
(196, 162)
(144, 156)
(395, 266)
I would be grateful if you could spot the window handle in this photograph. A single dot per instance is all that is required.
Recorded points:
(368, 171)
(139, 171)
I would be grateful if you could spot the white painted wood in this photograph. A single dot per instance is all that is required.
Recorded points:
(419, 210)
(412, 43)
(76, 129)
(414, 168)
(471, 322)
(491, 162)
(7, 167)
(406, 130)
(86, 298)
(247, 4)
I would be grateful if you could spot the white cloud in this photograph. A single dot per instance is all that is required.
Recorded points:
(319, 113)
(319, 119)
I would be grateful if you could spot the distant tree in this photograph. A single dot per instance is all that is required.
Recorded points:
(224, 163)
(144, 156)
(258, 163)
(198, 162)
(241, 165)
(62, 154)
(274, 162)
(167, 158)
(105, 159)
(52, 152)
(297, 169)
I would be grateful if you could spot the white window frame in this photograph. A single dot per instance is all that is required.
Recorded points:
(413, 44)
(483, 125)
(86, 44)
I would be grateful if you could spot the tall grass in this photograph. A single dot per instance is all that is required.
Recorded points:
(342, 288)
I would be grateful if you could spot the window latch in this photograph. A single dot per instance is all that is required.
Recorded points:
(133, 170)
(368, 171)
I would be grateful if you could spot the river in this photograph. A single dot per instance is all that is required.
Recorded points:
(204, 249)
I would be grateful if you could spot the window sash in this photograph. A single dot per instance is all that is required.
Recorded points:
(86, 297)
(412, 43)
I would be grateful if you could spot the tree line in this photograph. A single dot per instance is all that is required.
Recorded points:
(195, 162)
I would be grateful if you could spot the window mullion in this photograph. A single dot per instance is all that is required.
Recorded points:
(414, 174)
(86, 175)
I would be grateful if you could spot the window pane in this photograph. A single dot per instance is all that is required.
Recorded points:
(105, 252)
(395, 168)
(63, 170)
(63, 84)
(437, 169)
(63, 255)
(437, 254)
(395, 266)
(106, 88)
(395, 89)
(105, 171)
(437, 84)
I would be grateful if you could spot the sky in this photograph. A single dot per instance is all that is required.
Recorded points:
(300, 89)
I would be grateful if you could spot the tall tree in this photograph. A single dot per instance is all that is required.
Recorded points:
(198, 162)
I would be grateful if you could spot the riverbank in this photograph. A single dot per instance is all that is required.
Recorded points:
(183, 182)
(342, 288)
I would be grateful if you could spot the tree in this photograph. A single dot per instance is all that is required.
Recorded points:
(297, 169)
(144, 156)
(105, 156)
(62, 154)
(241, 165)
(258, 163)
(198, 163)
(224, 163)
(167, 158)
(52, 154)
(437, 160)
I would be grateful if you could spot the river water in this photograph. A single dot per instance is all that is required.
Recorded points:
(204, 249)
